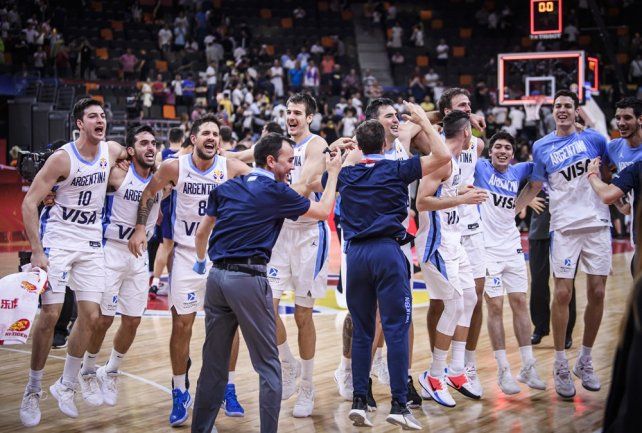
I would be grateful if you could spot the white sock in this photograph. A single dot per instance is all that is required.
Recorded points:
(89, 363)
(457, 360)
(585, 351)
(230, 377)
(560, 355)
(284, 352)
(438, 362)
(155, 281)
(35, 380)
(346, 363)
(115, 359)
(526, 353)
(378, 354)
(179, 382)
(307, 367)
(71, 370)
(500, 356)
(470, 356)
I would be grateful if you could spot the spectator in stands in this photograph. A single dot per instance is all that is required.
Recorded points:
(571, 33)
(336, 80)
(368, 81)
(39, 60)
(312, 78)
(271, 127)
(636, 44)
(516, 116)
(227, 138)
(417, 36)
(86, 59)
(396, 61)
(286, 59)
(177, 89)
(635, 70)
(396, 34)
(327, 69)
(210, 78)
(351, 82)
(63, 67)
(427, 103)
(144, 65)
(295, 76)
(317, 50)
(298, 13)
(417, 85)
(182, 21)
(165, 37)
(127, 64)
(276, 78)
(442, 52)
(147, 98)
(137, 12)
(348, 124)
(431, 78)
(213, 52)
(180, 33)
(303, 56)
(189, 88)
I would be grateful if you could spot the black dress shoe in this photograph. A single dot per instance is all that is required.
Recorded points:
(536, 338)
(568, 343)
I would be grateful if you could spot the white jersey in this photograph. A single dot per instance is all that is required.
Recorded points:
(469, 216)
(563, 161)
(121, 208)
(398, 153)
(295, 175)
(190, 195)
(74, 221)
(439, 230)
(501, 237)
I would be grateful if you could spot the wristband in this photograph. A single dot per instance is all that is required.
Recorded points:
(199, 266)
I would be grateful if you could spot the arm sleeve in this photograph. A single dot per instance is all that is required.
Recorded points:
(627, 179)
(212, 205)
(410, 169)
(289, 204)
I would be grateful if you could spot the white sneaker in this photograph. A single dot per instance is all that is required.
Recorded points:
(564, 385)
(380, 369)
(65, 396)
(471, 373)
(343, 378)
(90, 388)
(437, 388)
(528, 375)
(584, 370)
(108, 385)
(290, 371)
(506, 381)
(30, 408)
(304, 401)
(163, 289)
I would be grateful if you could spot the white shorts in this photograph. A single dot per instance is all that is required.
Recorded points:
(474, 246)
(82, 271)
(127, 281)
(590, 247)
(448, 275)
(508, 275)
(186, 287)
(299, 263)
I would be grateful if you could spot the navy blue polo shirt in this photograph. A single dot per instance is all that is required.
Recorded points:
(374, 196)
(627, 180)
(249, 212)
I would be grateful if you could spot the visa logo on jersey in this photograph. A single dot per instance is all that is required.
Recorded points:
(503, 201)
(575, 170)
(78, 216)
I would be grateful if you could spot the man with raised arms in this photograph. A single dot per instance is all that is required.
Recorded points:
(68, 244)
(193, 177)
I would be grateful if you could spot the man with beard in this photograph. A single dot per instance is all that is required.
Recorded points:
(193, 177)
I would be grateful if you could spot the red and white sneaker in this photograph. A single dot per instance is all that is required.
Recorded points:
(461, 383)
(437, 389)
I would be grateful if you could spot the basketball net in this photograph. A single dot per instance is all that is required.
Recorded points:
(532, 107)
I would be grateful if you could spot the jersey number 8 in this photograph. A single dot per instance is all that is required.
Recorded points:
(202, 205)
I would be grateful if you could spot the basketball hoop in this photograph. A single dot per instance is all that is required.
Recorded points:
(532, 107)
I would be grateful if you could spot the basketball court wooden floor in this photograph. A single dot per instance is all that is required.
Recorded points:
(144, 401)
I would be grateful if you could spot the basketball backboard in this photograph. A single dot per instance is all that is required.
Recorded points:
(524, 77)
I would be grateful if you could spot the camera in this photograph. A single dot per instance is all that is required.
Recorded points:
(29, 163)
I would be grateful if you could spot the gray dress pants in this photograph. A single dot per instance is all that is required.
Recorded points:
(238, 299)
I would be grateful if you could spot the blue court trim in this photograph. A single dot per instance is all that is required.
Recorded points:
(322, 248)
(191, 163)
(107, 210)
(44, 219)
(137, 176)
(79, 156)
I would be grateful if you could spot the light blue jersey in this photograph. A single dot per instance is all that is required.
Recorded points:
(621, 154)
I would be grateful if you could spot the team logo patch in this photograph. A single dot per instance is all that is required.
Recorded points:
(567, 262)
(497, 281)
(103, 163)
(218, 174)
(273, 272)
(26, 285)
(191, 296)
(114, 299)
(20, 325)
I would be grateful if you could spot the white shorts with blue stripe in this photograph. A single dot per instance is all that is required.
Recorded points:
(299, 261)
(445, 275)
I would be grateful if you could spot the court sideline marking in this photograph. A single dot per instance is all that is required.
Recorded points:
(132, 376)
